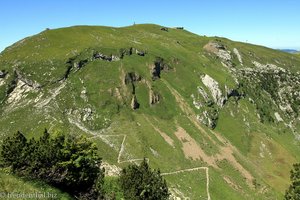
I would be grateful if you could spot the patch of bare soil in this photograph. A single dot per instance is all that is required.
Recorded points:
(226, 153)
(191, 148)
(210, 47)
(167, 138)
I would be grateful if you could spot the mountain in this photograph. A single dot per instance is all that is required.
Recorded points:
(289, 50)
(219, 118)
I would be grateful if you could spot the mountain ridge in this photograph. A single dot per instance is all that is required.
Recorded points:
(182, 100)
(289, 50)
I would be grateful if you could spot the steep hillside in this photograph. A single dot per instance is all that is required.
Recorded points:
(16, 188)
(219, 118)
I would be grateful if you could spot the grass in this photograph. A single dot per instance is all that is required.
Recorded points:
(196, 189)
(43, 58)
(112, 188)
(13, 187)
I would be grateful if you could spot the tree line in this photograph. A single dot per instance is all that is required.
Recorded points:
(293, 192)
(71, 163)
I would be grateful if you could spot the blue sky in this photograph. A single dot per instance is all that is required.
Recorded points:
(272, 23)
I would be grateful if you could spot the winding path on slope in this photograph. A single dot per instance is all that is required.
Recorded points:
(104, 138)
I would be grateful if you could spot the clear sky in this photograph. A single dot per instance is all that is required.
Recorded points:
(272, 23)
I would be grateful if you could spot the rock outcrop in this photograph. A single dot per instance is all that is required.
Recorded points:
(219, 50)
(83, 95)
(87, 114)
(2, 73)
(278, 117)
(213, 86)
(102, 56)
(203, 93)
(27, 81)
(159, 65)
(209, 118)
(238, 55)
(125, 52)
(140, 53)
(134, 103)
(2, 82)
(132, 77)
(154, 97)
(210, 99)
(130, 51)
(18, 91)
(281, 85)
(155, 72)
(235, 93)
(164, 29)
(81, 63)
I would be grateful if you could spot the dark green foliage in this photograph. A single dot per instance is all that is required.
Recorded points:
(141, 182)
(293, 193)
(269, 84)
(68, 162)
(264, 106)
(13, 151)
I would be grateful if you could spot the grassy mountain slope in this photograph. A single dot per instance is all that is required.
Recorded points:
(218, 117)
(15, 188)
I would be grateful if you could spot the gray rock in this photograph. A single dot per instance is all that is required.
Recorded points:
(115, 58)
(220, 51)
(102, 56)
(132, 77)
(159, 65)
(209, 118)
(2, 74)
(238, 55)
(27, 81)
(213, 86)
(87, 114)
(140, 53)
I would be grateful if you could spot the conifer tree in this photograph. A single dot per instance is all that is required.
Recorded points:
(141, 182)
(293, 193)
